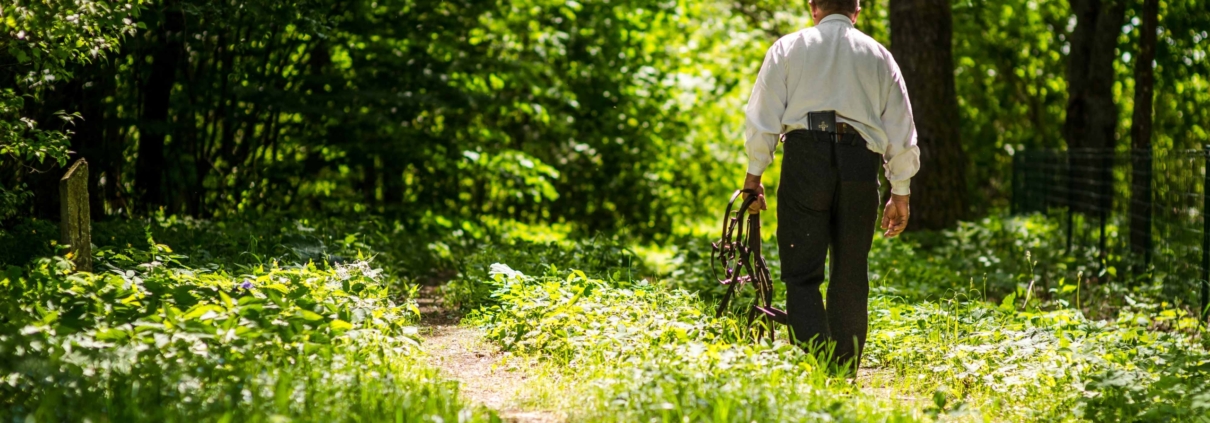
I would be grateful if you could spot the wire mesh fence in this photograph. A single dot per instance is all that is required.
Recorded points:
(1143, 209)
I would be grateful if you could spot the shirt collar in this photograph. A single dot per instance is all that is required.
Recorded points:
(839, 17)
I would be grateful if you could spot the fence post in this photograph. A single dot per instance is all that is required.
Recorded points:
(1047, 178)
(1149, 245)
(1206, 235)
(1070, 200)
(1013, 209)
(1105, 202)
(74, 220)
(1102, 254)
(1015, 206)
(1071, 225)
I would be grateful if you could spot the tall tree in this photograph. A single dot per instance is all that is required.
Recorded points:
(157, 91)
(1140, 131)
(921, 32)
(1092, 116)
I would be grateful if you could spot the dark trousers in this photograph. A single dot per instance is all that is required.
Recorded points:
(827, 198)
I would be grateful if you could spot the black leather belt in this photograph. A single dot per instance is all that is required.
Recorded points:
(844, 135)
(823, 127)
(844, 128)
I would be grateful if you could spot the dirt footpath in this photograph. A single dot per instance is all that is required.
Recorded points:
(484, 376)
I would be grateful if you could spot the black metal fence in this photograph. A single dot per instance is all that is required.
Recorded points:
(1145, 208)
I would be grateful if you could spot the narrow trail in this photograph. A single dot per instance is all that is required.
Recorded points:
(484, 376)
(881, 384)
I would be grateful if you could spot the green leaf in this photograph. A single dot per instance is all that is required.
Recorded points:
(1007, 303)
(111, 334)
(309, 315)
(199, 310)
(340, 325)
(226, 299)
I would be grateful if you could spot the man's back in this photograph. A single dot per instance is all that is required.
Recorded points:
(833, 66)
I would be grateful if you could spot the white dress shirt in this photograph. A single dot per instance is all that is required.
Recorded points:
(833, 66)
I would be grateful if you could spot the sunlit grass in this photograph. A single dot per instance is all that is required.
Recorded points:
(290, 322)
(997, 348)
(158, 336)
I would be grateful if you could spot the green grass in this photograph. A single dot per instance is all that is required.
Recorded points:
(158, 336)
(970, 342)
(632, 351)
(312, 320)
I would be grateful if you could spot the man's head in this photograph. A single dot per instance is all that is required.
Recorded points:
(822, 8)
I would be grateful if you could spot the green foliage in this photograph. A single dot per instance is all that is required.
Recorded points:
(990, 259)
(50, 34)
(1182, 89)
(633, 351)
(1010, 77)
(1179, 394)
(533, 111)
(11, 201)
(42, 40)
(158, 336)
(26, 240)
(982, 354)
(642, 351)
(23, 141)
(617, 115)
(600, 115)
(598, 255)
(411, 253)
(279, 318)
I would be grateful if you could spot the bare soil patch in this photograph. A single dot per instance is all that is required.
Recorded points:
(884, 384)
(485, 375)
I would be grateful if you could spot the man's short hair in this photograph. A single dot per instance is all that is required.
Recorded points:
(847, 7)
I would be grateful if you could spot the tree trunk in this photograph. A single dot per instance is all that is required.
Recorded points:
(93, 84)
(369, 181)
(392, 183)
(921, 32)
(157, 92)
(1140, 133)
(1092, 116)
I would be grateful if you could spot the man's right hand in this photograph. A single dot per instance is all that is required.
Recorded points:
(752, 183)
(895, 215)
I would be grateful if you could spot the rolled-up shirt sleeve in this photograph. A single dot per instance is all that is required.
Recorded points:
(902, 155)
(764, 113)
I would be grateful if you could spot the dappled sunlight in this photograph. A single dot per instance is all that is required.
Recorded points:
(510, 210)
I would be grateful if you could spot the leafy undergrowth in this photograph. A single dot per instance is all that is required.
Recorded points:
(597, 256)
(275, 319)
(974, 358)
(1000, 349)
(158, 336)
(994, 257)
(408, 253)
(632, 351)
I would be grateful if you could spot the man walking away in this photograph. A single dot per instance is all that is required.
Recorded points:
(835, 96)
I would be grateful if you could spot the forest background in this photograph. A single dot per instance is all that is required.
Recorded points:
(295, 201)
(595, 115)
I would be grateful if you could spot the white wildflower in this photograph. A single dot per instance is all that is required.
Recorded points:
(503, 269)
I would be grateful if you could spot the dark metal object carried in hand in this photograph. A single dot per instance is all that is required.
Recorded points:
(738, 254)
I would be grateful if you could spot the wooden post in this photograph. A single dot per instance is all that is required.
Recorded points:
(1206, 237)
(74, 224)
